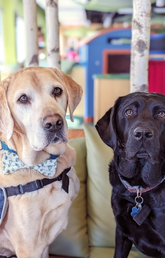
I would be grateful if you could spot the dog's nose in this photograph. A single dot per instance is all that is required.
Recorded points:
(142, 133)
(53, 123)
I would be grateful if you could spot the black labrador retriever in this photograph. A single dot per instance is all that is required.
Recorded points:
(135, 129)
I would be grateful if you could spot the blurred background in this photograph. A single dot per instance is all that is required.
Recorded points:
(95, 47)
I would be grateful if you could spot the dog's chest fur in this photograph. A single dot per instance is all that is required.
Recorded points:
(38, 216)
(123, 201)
(44, 215)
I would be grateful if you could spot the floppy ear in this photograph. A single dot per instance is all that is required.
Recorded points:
(106, 130)
(6, 121)
(106, 126)
(74, 90)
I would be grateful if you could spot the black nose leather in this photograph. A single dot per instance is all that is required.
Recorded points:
(53, 123)
(143, 133)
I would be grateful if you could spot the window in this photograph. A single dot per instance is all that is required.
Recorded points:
(20, 40)
(118, 64)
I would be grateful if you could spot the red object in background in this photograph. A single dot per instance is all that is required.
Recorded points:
(156, 76)
(71, 55)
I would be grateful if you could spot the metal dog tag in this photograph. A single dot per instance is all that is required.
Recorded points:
(3, 204)
(140, 213)
(140, 217)
(138, 207)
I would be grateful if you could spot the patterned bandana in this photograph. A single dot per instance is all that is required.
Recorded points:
(11, 163)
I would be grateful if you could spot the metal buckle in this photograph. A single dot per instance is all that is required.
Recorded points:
(21, 189)
(39, 184)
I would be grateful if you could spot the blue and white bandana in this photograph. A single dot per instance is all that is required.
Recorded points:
(12, 163)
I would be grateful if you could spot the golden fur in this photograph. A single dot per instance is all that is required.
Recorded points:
(34, 219)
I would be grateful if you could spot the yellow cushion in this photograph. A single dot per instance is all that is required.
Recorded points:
(101, 222)
(74, 241)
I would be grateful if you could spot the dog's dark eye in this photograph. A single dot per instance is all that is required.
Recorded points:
(161, 114)
(23, 99)
(57, 91)
(129, 112)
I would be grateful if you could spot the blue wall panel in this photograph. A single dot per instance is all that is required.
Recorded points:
(94, 62)
(94, 67)
(91, 56)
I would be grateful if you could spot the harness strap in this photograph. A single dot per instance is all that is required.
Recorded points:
(35, 185)
(38, 184)
(5, 147)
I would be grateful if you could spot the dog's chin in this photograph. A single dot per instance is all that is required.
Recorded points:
(55, 141)
(58, 140)
(37, 148)
(142, 170)
(142, 156)
(56, 148)
(56, 145)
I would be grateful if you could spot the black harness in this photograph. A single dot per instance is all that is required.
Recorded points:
(35, 185)
(38, 184)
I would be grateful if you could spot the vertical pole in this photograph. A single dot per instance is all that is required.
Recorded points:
(30, 17)
(140, 45)
(52, 25)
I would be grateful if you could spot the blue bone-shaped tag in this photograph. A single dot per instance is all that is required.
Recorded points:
(135, 211)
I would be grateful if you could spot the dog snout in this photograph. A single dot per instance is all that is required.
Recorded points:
(53, 123)
(143, 133)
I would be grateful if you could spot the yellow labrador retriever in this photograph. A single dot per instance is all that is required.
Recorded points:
(33, 104)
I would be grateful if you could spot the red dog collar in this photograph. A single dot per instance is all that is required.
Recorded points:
(138, 189)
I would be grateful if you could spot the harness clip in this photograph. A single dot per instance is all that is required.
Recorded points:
(39, 184)
(21, 189)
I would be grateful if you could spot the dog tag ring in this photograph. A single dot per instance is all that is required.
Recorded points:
(139, 200)
(137, 208)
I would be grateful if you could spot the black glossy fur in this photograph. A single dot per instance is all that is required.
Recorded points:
(135, 129)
